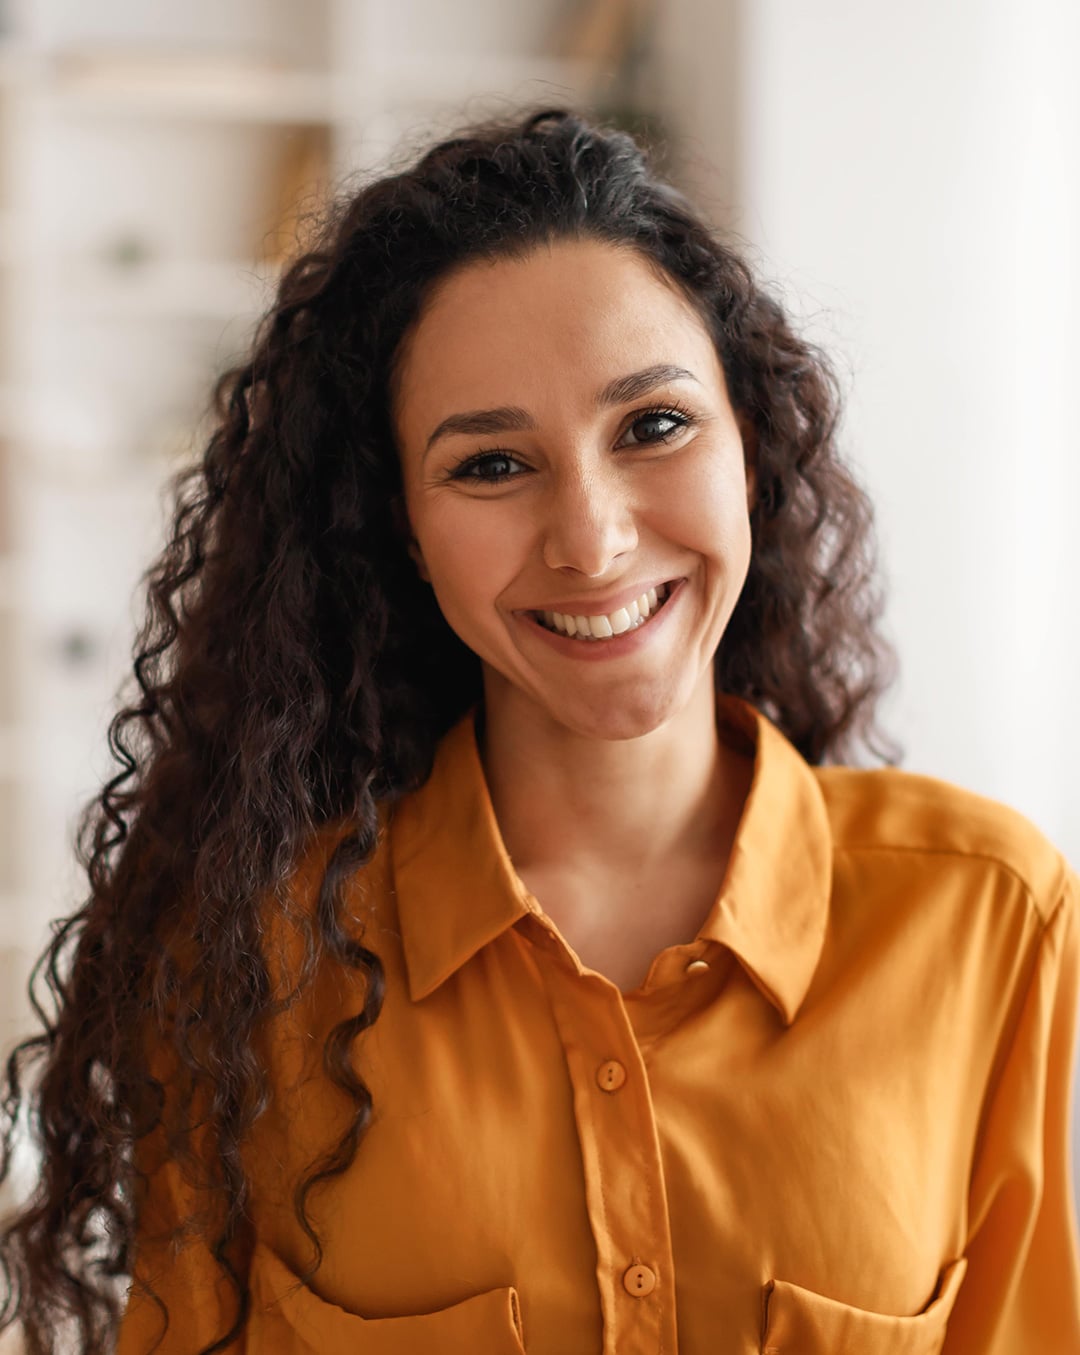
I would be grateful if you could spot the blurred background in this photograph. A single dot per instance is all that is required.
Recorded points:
(908, 178)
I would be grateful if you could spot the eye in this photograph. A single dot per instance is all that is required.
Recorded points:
(493, 468)
(675, 419)
(486, 467)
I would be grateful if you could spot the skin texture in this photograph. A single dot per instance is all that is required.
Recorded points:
(601, 773)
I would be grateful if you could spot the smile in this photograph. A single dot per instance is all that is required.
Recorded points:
(607, 626)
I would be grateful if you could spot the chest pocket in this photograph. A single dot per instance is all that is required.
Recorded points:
(290, 1319)
(799, 1322)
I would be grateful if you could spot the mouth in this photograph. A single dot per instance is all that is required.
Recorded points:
(596, 629)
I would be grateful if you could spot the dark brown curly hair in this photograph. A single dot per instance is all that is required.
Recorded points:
(293, 672)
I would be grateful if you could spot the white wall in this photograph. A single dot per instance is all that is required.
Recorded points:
(912, 178)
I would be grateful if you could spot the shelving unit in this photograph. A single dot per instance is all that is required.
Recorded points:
(147, 154)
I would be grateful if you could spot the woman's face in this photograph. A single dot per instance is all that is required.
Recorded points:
(567, 445)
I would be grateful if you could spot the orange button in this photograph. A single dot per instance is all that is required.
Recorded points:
(611, 1075)
(696, 966)
(639, 1281)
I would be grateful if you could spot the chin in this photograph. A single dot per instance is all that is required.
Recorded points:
(615, 721)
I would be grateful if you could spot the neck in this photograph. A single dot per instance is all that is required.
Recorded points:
(614, 808)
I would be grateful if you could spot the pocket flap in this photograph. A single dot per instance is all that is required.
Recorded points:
(798, 1320)
(289, 1318)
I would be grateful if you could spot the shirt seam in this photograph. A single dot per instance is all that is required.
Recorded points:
(559, 1015)
(653, 1215)
(987, 858)
(597, 1140)
(1008, 1044)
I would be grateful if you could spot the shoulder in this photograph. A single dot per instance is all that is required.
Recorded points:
(338, 857)
(901, 815)
(338, 842)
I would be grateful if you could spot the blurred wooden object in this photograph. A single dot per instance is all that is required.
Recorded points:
(300, 186)
(604, 33)
(613, 38)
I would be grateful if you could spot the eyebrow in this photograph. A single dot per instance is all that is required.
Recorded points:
(514, 419)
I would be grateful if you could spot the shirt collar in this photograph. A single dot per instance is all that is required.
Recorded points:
(457, 889)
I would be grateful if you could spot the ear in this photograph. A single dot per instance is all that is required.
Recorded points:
(404, 528)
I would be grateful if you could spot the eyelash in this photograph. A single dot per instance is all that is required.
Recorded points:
(683, 419)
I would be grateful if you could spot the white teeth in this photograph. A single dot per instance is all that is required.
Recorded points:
(626, 618)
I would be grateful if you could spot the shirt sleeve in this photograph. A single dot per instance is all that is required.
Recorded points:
(1022, 1287)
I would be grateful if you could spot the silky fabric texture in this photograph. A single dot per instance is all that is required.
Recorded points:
(837, 1120)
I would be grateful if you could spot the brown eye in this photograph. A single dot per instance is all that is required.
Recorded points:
(489, 468)
(659, 425)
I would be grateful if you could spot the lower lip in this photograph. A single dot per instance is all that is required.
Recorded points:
(593, 651)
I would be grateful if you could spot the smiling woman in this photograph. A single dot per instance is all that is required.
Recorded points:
(601, 476)
(490, 945)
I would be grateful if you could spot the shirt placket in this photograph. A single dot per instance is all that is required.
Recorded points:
(624, 1178)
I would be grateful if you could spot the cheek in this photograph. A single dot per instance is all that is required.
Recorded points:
(708, 511)
(471, 549)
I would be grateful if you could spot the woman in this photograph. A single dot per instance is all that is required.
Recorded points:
(479, 956)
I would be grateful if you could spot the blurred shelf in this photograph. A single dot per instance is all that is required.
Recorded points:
(437, 79)
(191, 85)
(210, 88)
(186, 288)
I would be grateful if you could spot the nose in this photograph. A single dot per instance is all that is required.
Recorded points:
(589, 522)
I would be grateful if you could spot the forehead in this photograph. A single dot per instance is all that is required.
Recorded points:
(558, 323)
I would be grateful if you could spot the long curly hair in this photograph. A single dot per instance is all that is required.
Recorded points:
(293, 673)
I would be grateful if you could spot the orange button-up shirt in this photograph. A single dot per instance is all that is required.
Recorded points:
(835, 1121)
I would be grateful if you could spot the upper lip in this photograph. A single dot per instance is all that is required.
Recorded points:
(603, 604)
